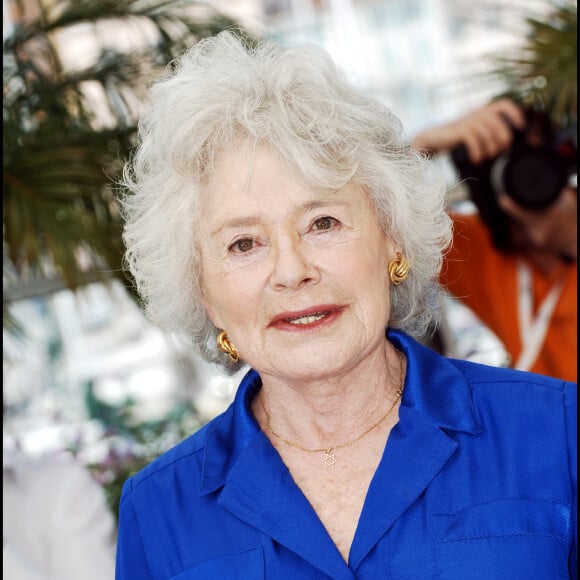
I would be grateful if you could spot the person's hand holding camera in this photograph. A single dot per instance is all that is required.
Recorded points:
(485, 132)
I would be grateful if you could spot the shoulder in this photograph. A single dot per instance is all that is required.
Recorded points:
(56, 487)
(48, 471)
(477, 373)
(508, 390)
(469, 226)
(186, 456)
(472, 248)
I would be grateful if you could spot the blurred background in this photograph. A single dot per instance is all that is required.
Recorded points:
(84, 372)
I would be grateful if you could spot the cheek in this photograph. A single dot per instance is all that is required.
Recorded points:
(211, 306)
(366, 265)
(231, 298)
(364, 274)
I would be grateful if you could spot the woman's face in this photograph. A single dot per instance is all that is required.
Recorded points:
(298, 279)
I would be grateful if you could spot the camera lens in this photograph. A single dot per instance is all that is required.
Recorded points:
(533, 178)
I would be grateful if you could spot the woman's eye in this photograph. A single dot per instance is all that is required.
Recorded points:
(324, 223)
(244, 245)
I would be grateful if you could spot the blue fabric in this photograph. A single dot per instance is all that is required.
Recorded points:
(477, 481)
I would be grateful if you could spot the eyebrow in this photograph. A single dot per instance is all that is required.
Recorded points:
(233, 223)
(251, 220)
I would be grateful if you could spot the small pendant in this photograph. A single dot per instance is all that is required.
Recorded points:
(329, 458)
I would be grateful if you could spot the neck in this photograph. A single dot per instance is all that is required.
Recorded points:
(329, 412)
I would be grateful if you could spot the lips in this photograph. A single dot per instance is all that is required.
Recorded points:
(307, 319)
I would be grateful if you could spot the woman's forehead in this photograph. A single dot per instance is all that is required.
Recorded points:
(243, 154)
(248, 159)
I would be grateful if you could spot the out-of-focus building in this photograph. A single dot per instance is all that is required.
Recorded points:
(427, 59)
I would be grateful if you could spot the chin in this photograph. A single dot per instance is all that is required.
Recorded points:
(316, 364)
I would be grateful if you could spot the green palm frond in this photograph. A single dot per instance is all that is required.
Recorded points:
(544, 71)
(62, 153)
(55, 203)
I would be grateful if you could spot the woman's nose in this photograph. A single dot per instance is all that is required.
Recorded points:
(293, 265)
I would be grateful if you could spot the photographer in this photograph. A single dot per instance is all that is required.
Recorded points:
(514, 263)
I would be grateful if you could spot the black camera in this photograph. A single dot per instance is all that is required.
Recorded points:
(533, 172)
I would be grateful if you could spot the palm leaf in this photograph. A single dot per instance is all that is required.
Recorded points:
(61, 156)
(544, 71)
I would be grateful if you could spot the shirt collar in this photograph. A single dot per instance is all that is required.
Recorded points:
(434, 388)
(230, 433)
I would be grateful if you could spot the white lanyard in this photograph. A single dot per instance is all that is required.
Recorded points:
(533, 331)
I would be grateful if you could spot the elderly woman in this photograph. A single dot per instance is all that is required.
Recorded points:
(279, 218)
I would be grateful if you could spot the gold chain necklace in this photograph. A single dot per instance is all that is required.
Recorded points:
(329, 457)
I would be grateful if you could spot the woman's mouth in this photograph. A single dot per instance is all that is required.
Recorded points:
(306, 319)
(310, 319)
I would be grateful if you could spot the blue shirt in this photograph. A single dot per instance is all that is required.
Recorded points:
(477, 481)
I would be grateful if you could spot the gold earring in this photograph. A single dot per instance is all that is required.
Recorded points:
(225, 345)
(398, 269)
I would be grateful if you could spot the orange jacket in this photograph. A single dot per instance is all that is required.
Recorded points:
(486, 281)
